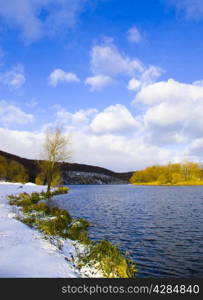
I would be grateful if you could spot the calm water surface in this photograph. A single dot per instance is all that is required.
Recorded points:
(161, 227)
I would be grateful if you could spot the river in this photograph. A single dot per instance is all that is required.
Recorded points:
(161, 227)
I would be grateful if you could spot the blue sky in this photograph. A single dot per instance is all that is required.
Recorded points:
(124, 79)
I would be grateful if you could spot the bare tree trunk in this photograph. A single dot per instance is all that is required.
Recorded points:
(48, 187)
(49, 181)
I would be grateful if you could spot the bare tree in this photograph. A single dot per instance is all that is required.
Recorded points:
(56, 149)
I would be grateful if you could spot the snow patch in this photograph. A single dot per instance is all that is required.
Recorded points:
(25, 252)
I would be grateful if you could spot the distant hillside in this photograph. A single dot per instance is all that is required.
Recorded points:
(74, 173)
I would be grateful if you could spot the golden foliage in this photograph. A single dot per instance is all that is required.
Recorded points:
(186, 173)
(55, 150)
(11, 170)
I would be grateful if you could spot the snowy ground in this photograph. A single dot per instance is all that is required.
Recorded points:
(24, 252)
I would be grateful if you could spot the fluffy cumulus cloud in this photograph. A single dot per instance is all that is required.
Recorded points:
(167, 128)
(151, 74)
(134, 84)
(108, 63)
(23, 143)
(195, 149)
(76, 119)
(198, 82)
(36, 18)
(114, 152)
(192, 9)
(11, 114)
(133, 35)
(58, 76)
(148, 76)
(169, 90)
(14, 77)
(106, 59)
(172, 111)
(97, 82)
(115, 118)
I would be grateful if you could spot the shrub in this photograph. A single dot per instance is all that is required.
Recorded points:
(16, 172)
(45, 195)
(111, 261)
(61, 213)
(35, 198)
(83, 223)
(40, 179)
(27, 208)
(3, 168)
(78, 231)
(22, 200)
(175, 173)
(30, 221)
(12, 200)
(56, 179)
(60, 190)
(39, 207)
(42, 207)
(56, 226)
(57, 222)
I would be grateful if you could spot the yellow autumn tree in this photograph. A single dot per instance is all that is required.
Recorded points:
(56, 149)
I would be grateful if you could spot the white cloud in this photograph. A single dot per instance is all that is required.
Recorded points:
(14, 78)
(98, 82)
(11, 114)
(198, 82)
(115, 118)
(57, 76)
(114, 138)
(107, 62)
(167, 114)
(26, 16)
(192, 9)
(106, 59)
(134, 84)
(171, 91)
(133, 35)
(168, 127)
(172, 111)
(23, 143)
(151, 74)
(81, 116)
(148, 76)
(114, 152)
(195, 149)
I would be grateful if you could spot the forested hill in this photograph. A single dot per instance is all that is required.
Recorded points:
(74, 173)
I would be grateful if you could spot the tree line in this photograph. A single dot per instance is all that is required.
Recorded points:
(55, 149)
(176, 173)
(13, 171)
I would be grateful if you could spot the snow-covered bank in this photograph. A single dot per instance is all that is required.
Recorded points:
(24, 252)
(52, 244)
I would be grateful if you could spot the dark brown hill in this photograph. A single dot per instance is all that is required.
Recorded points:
(33, 170)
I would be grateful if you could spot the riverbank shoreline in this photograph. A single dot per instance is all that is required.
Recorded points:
(24, 251)
(167, 184)
(27, 203)
(27, 252)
